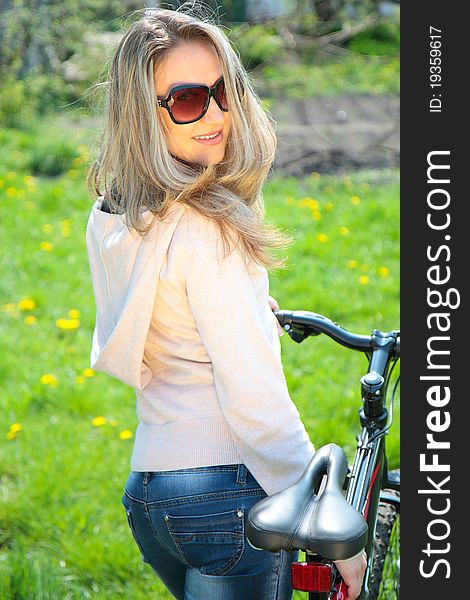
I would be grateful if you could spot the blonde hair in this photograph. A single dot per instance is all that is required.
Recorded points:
(134, 164)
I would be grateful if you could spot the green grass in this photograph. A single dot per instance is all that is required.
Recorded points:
(63, 531)
(357, 74)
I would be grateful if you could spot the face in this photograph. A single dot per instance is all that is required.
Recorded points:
(195, 63)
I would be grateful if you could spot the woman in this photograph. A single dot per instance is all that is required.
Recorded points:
(177, 250)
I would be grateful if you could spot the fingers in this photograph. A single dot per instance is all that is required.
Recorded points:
(273, 303)
(354, 590)
(275, 306)
(352, 571)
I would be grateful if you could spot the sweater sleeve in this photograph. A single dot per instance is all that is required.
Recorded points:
(248, 375)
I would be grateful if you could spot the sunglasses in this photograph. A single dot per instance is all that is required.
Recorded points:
(190, 102)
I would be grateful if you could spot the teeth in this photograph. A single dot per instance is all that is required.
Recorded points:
(207, 137)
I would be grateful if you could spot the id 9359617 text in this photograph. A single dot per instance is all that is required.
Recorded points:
(435, 69)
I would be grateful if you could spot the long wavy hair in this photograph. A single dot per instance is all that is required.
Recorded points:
(135, 171)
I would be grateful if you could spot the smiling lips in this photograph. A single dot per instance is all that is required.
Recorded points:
(210, 139)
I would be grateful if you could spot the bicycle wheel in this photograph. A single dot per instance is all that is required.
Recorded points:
(385, 578)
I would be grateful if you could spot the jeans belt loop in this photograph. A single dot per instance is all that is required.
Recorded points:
(145, 481)
(242, 473)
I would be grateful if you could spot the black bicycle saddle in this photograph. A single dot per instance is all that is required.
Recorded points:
(298, 519)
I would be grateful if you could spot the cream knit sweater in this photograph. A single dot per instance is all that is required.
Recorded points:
(193, 333)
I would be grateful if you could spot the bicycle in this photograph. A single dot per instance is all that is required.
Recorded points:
(333, 510)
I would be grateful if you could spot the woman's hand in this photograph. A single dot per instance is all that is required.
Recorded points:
(352, 571)
(275, 306)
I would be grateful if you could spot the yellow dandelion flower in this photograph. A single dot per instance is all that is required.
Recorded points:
(314, 204)
(364, 268)
(125, 434)
(29, 180)
(355, 200)
(26, 304)
(46, 246)
(49, 379)
(29, 205)
(16, 427)
(113, 423)
(21, 193)
(2, 183)
(30, 320)
(77, 161)
(72, 173)
(11, 175)
(68, 324)
(328, 206)
(383, 271)
(66, 231)
(79, 379)
(47, 228)
(10, 309)
(322, 238)
(74, 313)
(352, 264)
(363, 280)
(98, 421)
(315, 175)
(343, 231)
(11, 192)
(316, 215)
(310, 202)
(71, 350)
(11, 435)
(65, 223)
(88, 372)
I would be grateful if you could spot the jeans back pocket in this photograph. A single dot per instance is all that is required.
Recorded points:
(212, 543)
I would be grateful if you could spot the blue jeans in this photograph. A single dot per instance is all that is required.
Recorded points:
(189, 526)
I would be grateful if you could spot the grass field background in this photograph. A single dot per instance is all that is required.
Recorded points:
(67, 432)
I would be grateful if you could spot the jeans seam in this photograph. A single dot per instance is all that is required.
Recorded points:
(147, 477)
(238, 537)
(279, 572)
(193, 471)
(234, 561)
(147, 514)
(130, 522)
(158, 504)
(178, 549)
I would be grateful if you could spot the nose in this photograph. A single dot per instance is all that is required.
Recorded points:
(214, 114)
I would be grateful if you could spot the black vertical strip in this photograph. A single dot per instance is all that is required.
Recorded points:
(434, 293)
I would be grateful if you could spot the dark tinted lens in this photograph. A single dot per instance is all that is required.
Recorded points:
(188, 104)
(220, 92)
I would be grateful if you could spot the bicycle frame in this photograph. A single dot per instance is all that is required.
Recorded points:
(370, 468)
(363, 492)
(369, 472)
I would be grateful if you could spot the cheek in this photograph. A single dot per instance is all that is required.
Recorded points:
(228, 121)
(177, 136)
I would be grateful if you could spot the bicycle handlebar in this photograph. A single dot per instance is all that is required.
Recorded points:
(301, 324)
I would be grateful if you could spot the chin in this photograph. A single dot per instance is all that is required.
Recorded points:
(212, 160)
